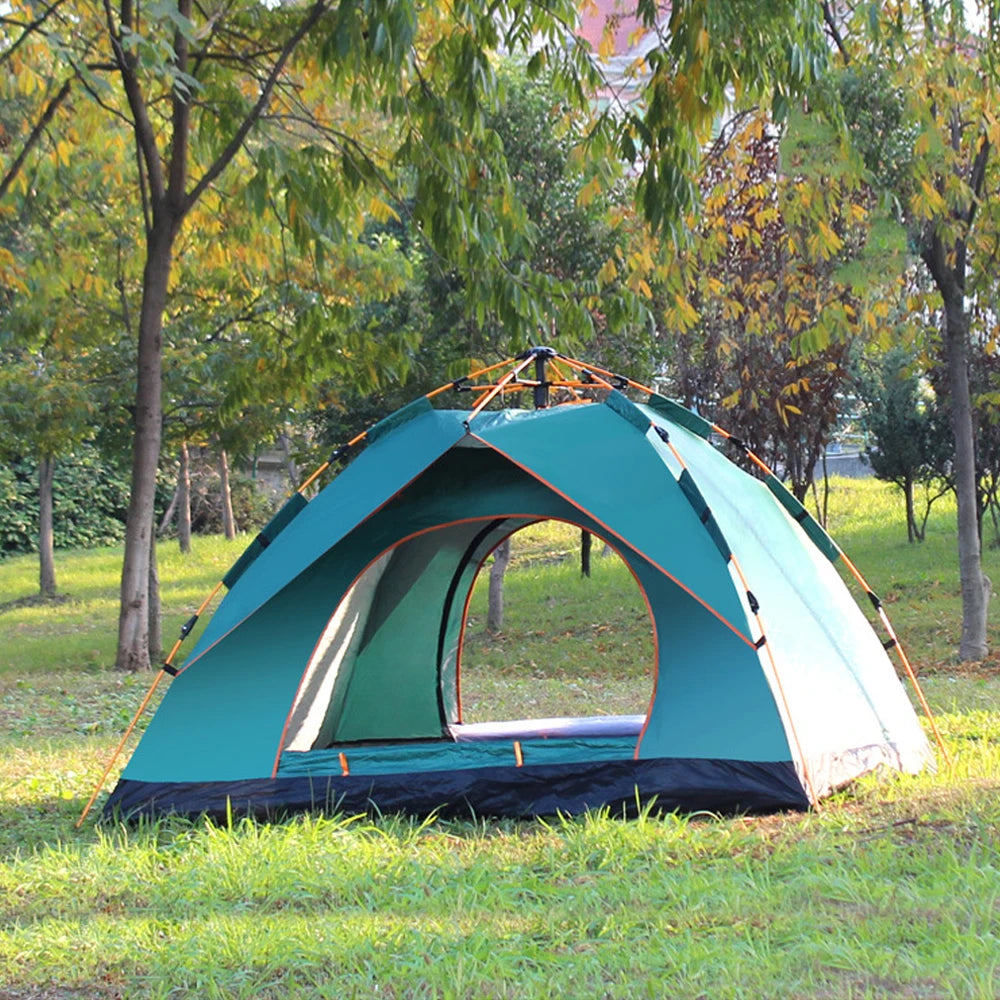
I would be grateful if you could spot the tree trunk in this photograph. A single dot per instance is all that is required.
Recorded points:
(184, 500)
(824, 518)
(911, 515)
(155, 619)
(46, 543)
(494, 613)
(975, 589)
(586, 542)
(226, 496)
(168, 514)
(290, 467)
(133, 618)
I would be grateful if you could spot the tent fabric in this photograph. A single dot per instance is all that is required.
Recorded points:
(341, 639)
(840, 689)
(363, 486)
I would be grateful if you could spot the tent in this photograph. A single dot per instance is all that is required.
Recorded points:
(330, 674)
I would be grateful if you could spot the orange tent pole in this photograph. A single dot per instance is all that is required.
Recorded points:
(883, 617)
(759, 462)
(810, 787)
(499, 387)
(577, 366)
(326, 465)
(904, 659)
(471, 375)
(165, 669)
(580, 366)
(119, 748)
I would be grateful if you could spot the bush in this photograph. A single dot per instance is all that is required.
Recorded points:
(253, 503)
(90, 500)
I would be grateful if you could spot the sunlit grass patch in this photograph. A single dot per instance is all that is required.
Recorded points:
(79, 629)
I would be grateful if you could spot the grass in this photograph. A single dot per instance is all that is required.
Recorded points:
(892, 889)
(918, 583)
(570, 645)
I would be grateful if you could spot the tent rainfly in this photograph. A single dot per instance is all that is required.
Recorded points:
(329, 677)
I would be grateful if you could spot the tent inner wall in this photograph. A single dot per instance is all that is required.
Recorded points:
(386, 665)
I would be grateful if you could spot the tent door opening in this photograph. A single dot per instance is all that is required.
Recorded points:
(576, 655)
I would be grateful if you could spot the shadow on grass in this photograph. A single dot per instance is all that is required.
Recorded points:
(36, 601)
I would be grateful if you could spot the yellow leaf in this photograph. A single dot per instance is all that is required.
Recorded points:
(381, 211)
(608, 272)
(589, 191)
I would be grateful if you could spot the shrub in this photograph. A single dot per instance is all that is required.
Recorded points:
(90, 500)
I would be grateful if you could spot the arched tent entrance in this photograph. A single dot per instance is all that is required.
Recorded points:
(570, 644)
(383, 666)
(326, 676)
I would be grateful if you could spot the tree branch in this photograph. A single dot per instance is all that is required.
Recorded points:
(144, 133)
(122, 296)
(28, 29)
(36, 133)
(834, 32)
(313, 15)
(936, 259)
(180, 122)
(977, 177)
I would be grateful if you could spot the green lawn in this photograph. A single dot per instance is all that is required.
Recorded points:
(892, 889)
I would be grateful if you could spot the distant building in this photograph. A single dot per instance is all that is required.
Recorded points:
(620, 42)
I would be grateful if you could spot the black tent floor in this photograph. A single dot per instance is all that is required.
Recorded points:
(623, 786)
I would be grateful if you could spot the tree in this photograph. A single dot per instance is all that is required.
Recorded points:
(44, 411)
(932, 80)
(198, 77)
(287, 94)
(498, 567)
(905, 431)
(761, 309)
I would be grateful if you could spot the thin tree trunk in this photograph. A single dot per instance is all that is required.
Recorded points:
(155, 619)
(825, 514)
(168, 514)
(991, 506)
(586, 542)
(494, 613)
(46, 536)
(226, 496)
(184, 500)
(290, 467)
(912, 534)
(167, 200)
(822, 506)
(133, 618)
(975, 589)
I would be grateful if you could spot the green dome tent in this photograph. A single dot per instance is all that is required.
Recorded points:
(330, 674)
